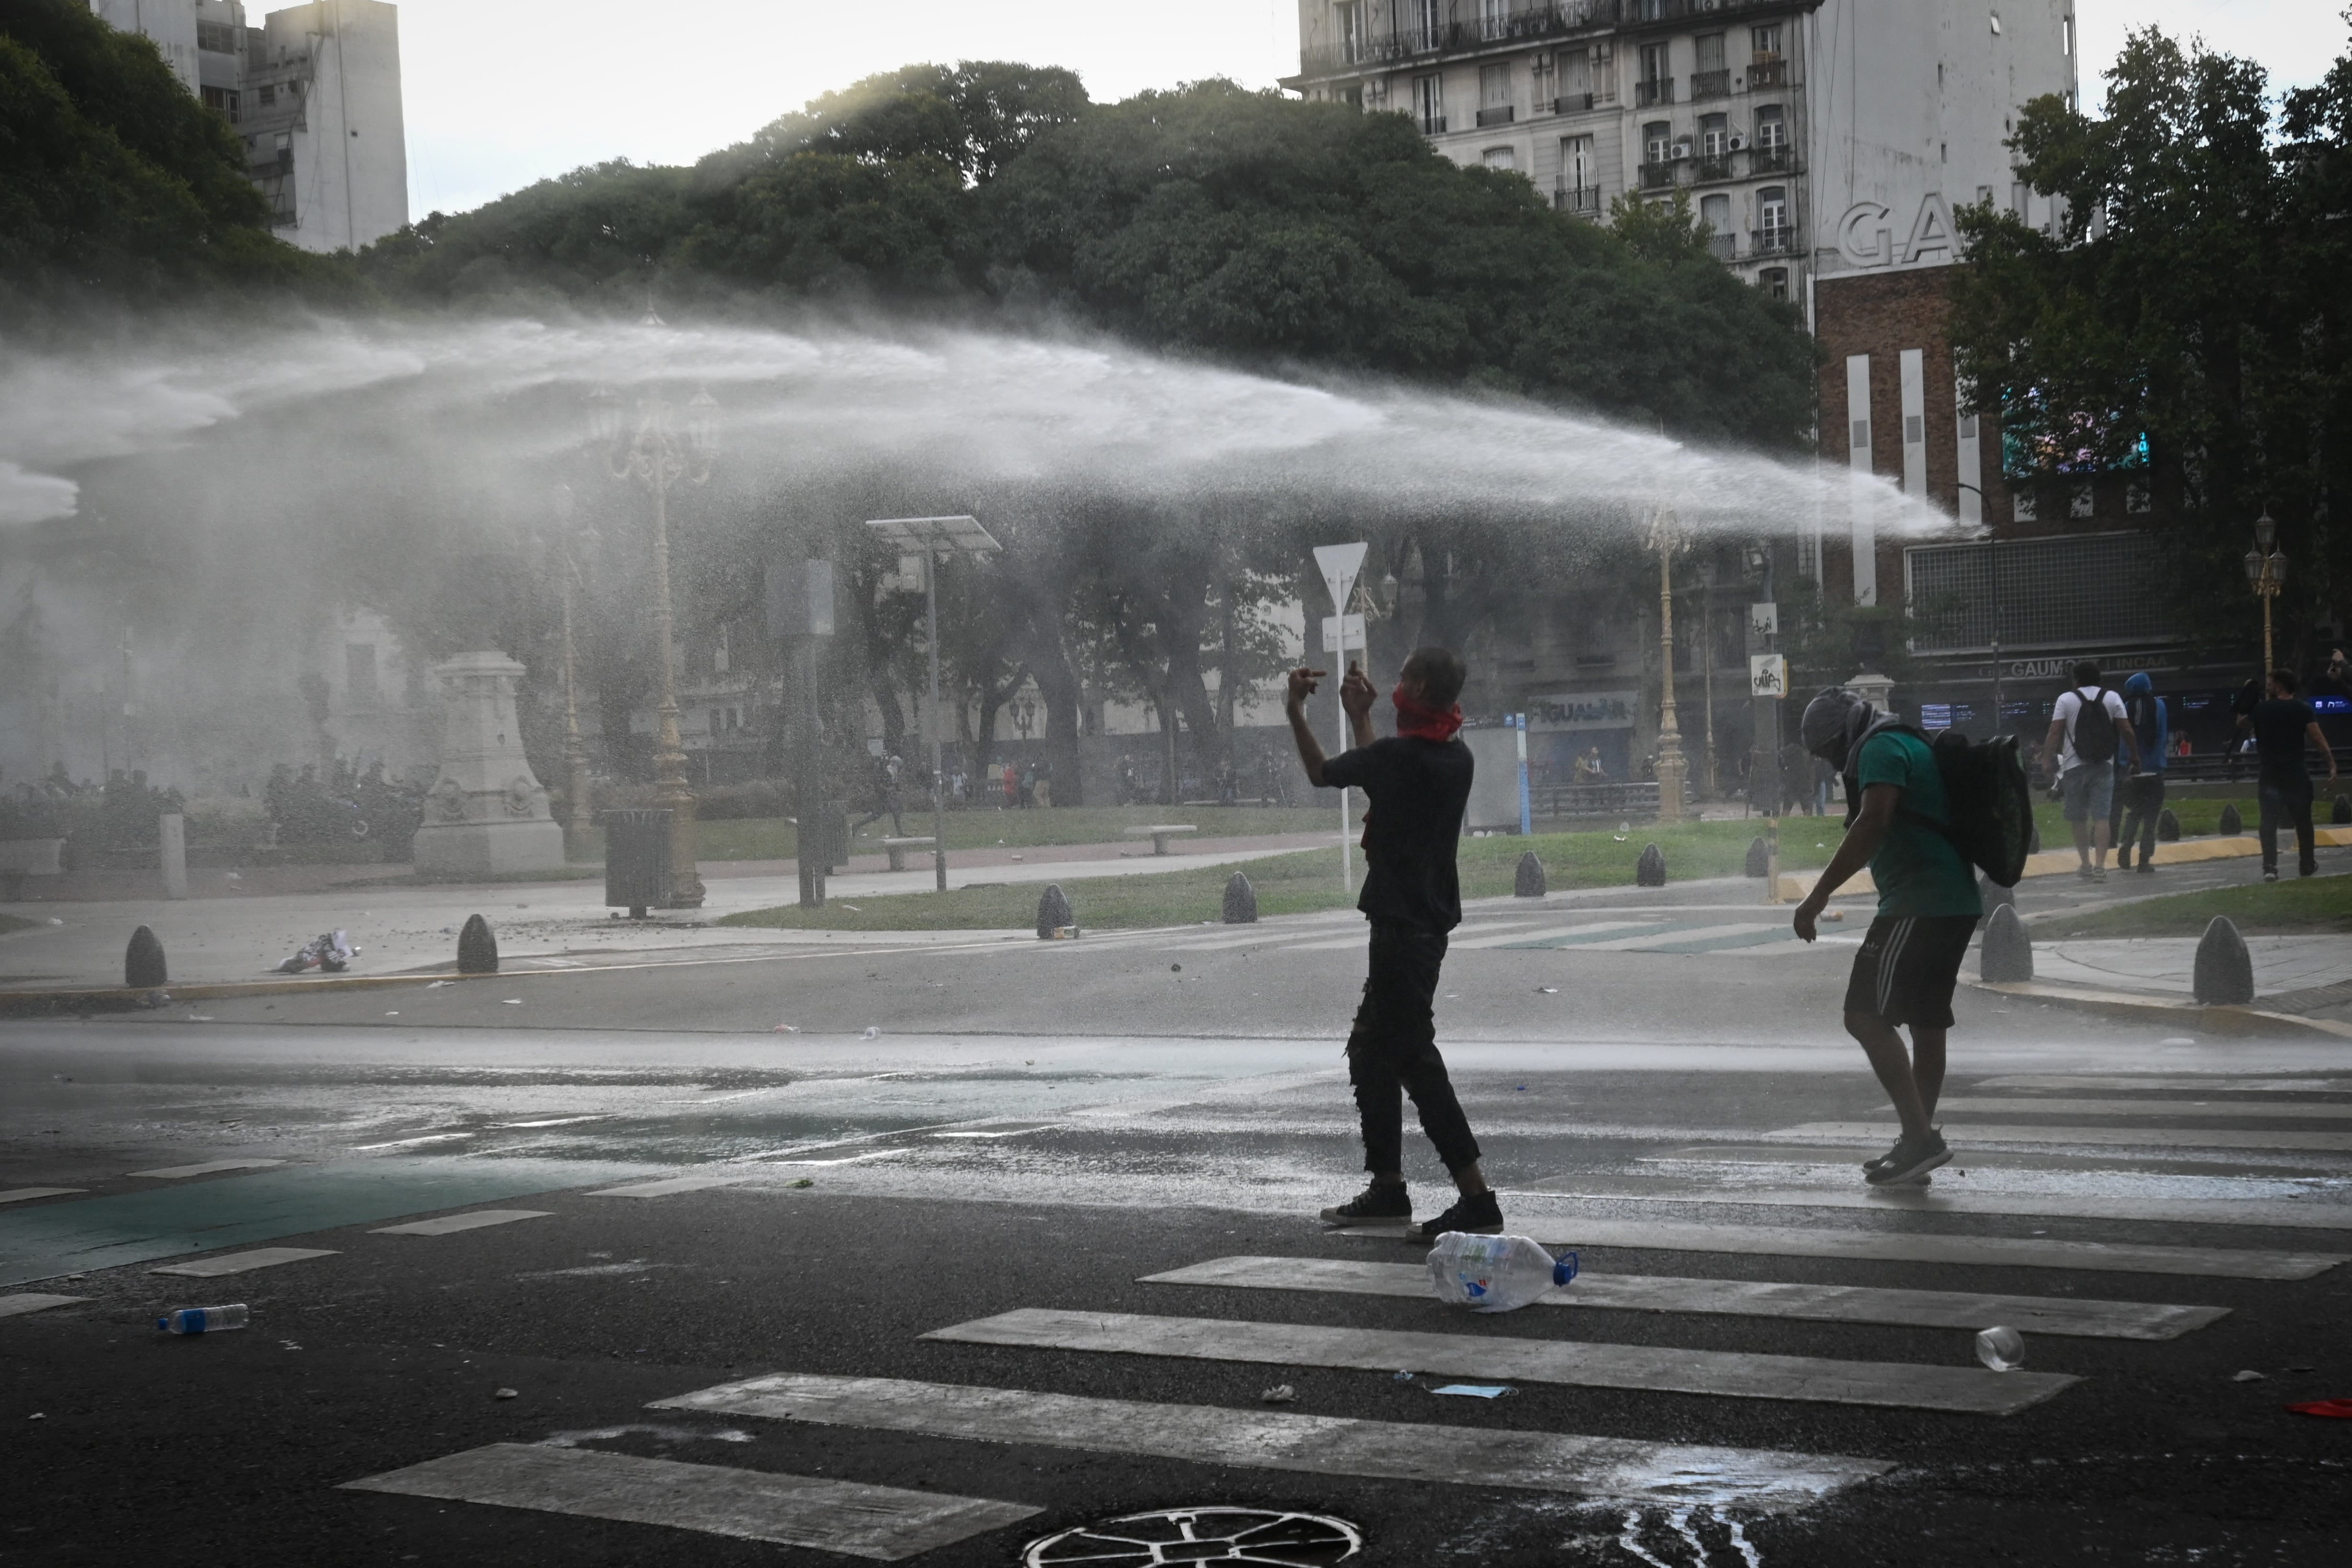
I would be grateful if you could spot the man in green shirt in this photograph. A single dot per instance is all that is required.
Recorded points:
(1897, 821)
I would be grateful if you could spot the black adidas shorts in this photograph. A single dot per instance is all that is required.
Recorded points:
(1908, 967)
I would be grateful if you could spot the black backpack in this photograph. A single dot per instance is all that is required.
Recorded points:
(1985, 792)
(2095, 730)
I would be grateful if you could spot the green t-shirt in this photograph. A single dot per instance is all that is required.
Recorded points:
(1918, 871)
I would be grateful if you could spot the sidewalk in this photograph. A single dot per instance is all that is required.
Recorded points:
(409, 927)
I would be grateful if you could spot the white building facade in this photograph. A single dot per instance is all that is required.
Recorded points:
(313, 92)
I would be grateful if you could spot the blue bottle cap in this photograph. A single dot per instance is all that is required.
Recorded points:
(1563, 1269)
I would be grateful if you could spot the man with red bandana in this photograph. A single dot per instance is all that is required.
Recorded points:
(1418, 783)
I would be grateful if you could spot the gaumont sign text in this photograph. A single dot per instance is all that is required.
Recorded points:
(1875, 234)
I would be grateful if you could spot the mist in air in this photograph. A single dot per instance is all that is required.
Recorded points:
(187, 507)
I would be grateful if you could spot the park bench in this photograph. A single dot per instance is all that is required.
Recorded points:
(1160, 834)
(896, 849)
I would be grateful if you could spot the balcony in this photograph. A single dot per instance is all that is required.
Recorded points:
(1710, 84)
(1763, 75)
(1657, 176)
(1773, 160)
(1779, 240)
(1648, 93)
(1542, 21)
(1432, 125)
(1500, 115)
(1584, 201)
(1573, 103)
(1716, 166)
(1723, 248)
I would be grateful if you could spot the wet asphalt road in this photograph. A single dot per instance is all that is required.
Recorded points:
(1032, 1127)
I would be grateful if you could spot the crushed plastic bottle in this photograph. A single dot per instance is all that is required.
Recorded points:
(2002, 1349)
(203, 1320)
(1495, 1274)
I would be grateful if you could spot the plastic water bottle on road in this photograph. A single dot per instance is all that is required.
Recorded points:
(1495, 1274)
(203, 1320)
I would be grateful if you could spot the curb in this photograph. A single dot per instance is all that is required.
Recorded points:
(2188, 1014)
(125, 999)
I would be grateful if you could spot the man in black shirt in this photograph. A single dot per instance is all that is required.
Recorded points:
(2281, 723)
(1419, 784)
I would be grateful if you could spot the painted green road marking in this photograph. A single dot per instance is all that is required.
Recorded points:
(235, 1211)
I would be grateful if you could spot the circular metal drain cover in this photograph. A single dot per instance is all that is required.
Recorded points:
(1170, 1535)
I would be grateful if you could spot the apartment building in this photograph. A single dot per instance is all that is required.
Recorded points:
(314, 93)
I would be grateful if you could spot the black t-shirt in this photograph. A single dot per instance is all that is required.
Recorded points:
(1419, 790)
(2281, 725)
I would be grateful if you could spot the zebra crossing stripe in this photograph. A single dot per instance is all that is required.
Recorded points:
(242, 1262)
(1731, 1298)
(2285, 1214)
(1894, 1247)
(1751, 936)
(2280, 1110)
(1489, 937)
(26, 1194)
(1612, 1467)
(1877, 1133)
(667, 1186)
(210, 1167)
(449, 1224)
(1736, 1374)
(884, 1523)
(24, 1302)
(2190, 1083)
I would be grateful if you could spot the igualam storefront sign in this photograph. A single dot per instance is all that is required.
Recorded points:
(1583, 710)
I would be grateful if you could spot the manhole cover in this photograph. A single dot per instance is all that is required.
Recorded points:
(1204, 1535)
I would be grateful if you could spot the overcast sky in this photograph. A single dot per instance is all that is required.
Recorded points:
(500, 93)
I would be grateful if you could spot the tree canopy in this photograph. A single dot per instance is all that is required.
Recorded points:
(2191, 298)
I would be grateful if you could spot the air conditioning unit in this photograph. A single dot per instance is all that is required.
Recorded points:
(1682, 149)
(1740, 144)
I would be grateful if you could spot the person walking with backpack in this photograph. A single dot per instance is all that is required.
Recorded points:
(1899, 822)
(2140, 792)
(2088, 730)
(2281, 723)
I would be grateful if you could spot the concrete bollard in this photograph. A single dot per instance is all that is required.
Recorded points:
(1993, 896)
(1054, 916)
(1759, 860)
(2342, 815)
(1650, 871)
(2230, 822)
(2167, 826)
(2225, 970)
(1527, 881)
(2007, 951)
(477, 948)
(1241, 901)
(143, 962)
(172, 840)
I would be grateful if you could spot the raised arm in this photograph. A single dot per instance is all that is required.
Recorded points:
(1303, 683)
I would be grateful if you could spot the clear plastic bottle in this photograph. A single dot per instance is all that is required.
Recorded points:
(2001, 1349)
(203, 1320)
(1495, 1274)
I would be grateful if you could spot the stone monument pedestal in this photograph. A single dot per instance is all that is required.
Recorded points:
(486, 813)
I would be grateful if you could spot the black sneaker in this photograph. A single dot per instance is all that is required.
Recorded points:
(1479, 1216)
(1910, 1159)
(1381, 1203)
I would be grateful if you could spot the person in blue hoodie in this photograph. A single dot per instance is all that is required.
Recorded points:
(2139, 794)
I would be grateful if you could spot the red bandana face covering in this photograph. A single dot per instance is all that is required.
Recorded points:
(1416, 722)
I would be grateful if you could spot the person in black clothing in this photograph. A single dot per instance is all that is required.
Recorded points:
(2281, 723)
(1419, 784)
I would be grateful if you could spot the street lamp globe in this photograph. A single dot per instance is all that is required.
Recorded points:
(604, 411)
(2265, 531)
(2277, 566)
(702, 424)
(2254, 567)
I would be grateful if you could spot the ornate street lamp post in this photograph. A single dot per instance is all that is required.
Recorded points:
(669, 444)
(1665, 537)
(575, 755)
(2266, 573)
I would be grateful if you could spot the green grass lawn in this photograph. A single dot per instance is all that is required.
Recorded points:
(1305, 881)
(2294, 906)
(775, 837)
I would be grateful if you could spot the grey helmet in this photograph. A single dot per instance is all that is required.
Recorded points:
(1833, 721)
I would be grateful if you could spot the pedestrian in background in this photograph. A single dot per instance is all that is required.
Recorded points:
(2088, 730)
(2141, 790)
(2281, 723)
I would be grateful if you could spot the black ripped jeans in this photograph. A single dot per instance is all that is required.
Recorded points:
(1392, 1051)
